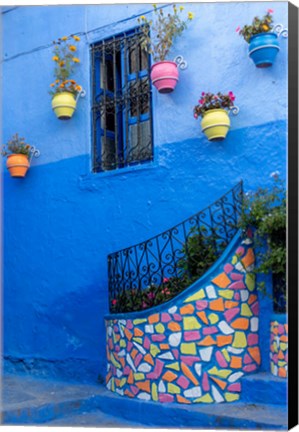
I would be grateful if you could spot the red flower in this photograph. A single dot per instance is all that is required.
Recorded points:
(165, 280)
(114, 301)
(270, 11)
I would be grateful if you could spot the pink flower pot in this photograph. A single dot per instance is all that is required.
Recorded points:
(164, 76)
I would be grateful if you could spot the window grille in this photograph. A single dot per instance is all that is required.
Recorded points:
(121, 107)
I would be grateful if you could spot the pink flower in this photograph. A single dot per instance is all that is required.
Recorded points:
(165, 280)
(151, 295)
(195, 116)
(114, 301)
(231, 96)
(144, 305)
(270, 11)
(203, 93)
(238, 29)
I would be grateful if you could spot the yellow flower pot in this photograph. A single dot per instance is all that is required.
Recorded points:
(17, 164)
(64, 105)
(215, 124)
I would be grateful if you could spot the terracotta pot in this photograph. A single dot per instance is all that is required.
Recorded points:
(215, 124)
(64, 105)
(164, 76)
(17, 165)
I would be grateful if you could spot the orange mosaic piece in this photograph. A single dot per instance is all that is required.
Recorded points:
(117, 382)
(152, 319)
(144, 385)
(286, 327)
(207, 341)
(134, 353)
(217, 305)
(224, 340)
(236, 362)
(202, 315)
(128, 393)
(283, 338)
(187, 372)
(230, 304)
(174, 326)
(222, 280)
(240, 324)
(130, 378)
(128, 334)
(219, 382)
(282, 372)
(122, 361)
(280, 355)
(117, 337)
(149, 359)
(248, 258)
(169, 376)
(181, 399)
(187, 309)
(275, 330)
(255, 354)
(138, 332)
(164, 346)
(252, 299)
(108, 377)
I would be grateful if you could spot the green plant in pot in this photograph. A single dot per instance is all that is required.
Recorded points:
(159, 35)
(265, 211)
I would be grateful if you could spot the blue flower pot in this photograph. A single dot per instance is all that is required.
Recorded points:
(263, 49)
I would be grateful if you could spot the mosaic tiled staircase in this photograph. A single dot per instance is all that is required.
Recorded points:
(196, 347)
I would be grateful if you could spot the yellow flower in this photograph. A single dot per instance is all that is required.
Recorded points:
(64, 38)
(72, 48)
(265, 27)
(75, 60)
(182, 8)
(52, 85)
(55, 58)
(57, 81)
(190, 15)
(154, 6)
(76, 38)
(78, 88)
(62, 63)
(143, 17)
(61, 85)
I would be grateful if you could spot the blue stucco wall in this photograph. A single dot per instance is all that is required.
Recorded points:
(61, 221)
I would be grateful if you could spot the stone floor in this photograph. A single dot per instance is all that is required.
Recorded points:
(28, 400)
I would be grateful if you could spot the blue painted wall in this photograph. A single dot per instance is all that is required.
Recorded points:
(61, 221)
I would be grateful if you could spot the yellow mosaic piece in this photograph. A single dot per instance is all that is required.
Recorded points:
(188, 348)
(231, 397)
(245, 310)
(213, 318)
(160, 328)
(139, 376)
(154, 350)
(139, 321)
(191, 323)
(174, 389)
(222, 373)
(227, 294)
(207, 398)
(174, 366)
(199, 295)
(239, 340)
(154, 392)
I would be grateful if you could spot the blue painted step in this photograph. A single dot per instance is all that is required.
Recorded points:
(264, 388)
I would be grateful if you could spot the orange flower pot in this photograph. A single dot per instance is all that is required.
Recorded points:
(17, 165)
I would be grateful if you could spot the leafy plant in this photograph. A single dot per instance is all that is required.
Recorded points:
(265, 211)
(259, 25)
(159, 35)
(16, 145)
(65, 62)
(209, 101)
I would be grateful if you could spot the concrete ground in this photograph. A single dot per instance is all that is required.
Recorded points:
(29, 400)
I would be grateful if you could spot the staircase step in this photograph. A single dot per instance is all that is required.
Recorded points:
(33, 401)
(264, 388)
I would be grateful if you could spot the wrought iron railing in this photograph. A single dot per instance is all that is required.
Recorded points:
(166, 263)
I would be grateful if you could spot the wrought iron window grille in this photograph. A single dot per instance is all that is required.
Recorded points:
(150, 263)
(121, 102)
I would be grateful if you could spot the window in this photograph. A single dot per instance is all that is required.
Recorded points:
(121, 108)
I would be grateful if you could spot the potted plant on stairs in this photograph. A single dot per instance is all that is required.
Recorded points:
(18, 152)
(158, 38)
(262, 39)
(214, 110)
(65, 91)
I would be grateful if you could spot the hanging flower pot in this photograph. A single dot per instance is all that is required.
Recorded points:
(164, 76)
(64, 105)
(214, 110)
(65, 91)
(262, 39)
(18, 155)
(17, 165)
(158, 37)
(263, 49)
(215, 124)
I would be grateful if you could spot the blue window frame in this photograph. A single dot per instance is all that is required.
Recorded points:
(121, 110)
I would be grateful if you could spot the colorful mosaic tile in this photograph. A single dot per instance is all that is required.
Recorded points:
(198, 350)
(279, 349)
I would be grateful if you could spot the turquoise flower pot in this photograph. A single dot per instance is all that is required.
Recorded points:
(263, 49)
